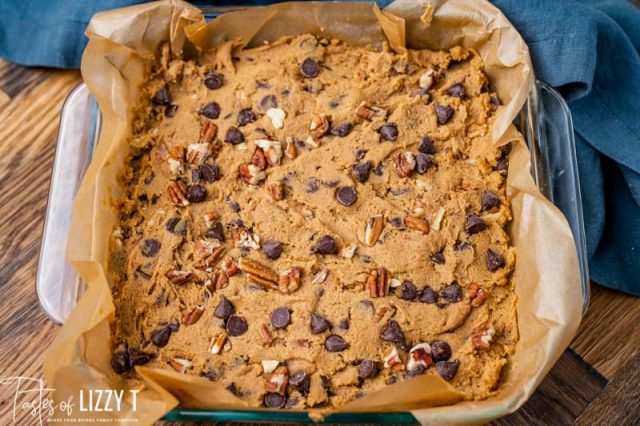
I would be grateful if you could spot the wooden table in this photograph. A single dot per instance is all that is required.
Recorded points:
(597, 380)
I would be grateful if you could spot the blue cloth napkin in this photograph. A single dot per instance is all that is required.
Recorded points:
(587, 49)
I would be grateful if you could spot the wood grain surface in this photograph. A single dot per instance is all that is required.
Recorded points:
(596, 381)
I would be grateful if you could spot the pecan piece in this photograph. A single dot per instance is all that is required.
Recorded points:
(218, 280)
(482, 335)
(420, 354)
(278, 381)
(229, 267)
(405, 163)
(251, 174)
(259, 274)
(377, 283)
(259, 160)
(291, 151)
(393, 361)
(265, 335)
(319, 126)
(211, 257)
(197, 153)
(177, 193)
(218, 343)
(179, 277)
(477, 294)
(367, 111)
(289, 281)
(179, 364)
(276, 190)
(417, 223)
(208, 131)
(192, 315)
(373, 230)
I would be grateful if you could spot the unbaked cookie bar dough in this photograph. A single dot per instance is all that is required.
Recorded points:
(308, 221)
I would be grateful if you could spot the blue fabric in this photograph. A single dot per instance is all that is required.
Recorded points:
(588, 49)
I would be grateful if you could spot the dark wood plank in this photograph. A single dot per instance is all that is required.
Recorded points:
(15, 79)
(568, 388)
(619, 403)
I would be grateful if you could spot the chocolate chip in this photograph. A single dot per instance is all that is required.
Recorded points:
(312, 185)
(137, 357)
(210, 374)
(224, 309)
(291, 403)
(326, 245)
(300, 381)
(461, 245)
(234, 206)
(174, 325)
(359, 154)
(495, 101)
(343, 324)
(160, 336)
(428, 295)
(274, 400)
(426, 146)
(367, 304)
(423, 163)
(269, 102)
(457, 90)
(309, 68)
(367, 369)
(196, 194)
(502, 164)
(161, 97)
(175, 225)
(447, 369)
(378, 171)
(452, 292)
(272, 248)
(444, 113)
(474, 224)
(120, 362)
(231, 387)
(342, 129)
(210, 110)
(246, 116)
(346, 195)
(335, 102)
(319, 324)
(150, 247)
(234, 136)
(214, 80)
(494, 260)
(149, 178)
(489, 200)
(361, 171)
(389, 131)
(392, 332)
(408, 291)
(440, 351)
(391, 380)
(236, 326)
(331, 183)
(417, 371)
(438, 257)
(396, 222)
(195, 175)
(170, 110)
(326, 384)
(335, 343)
(210, 172)
(216, 231)
(281, 317)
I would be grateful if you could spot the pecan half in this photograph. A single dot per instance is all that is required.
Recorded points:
(179, 277)
(289, 281)
(417, 223)
(278, 381)
(373, 229)
(192, 315)
(177, 193)
(477, 294)
(405, 163)
(482, 335)
(265, 335)
(179, 364)
(377, 283)
(276, 190)
(212, 256)
(218, 343)
(367, 111)
(259, 274)
(208, 131)
(218, 281)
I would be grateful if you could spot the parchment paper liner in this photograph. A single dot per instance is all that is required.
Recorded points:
(113, 65)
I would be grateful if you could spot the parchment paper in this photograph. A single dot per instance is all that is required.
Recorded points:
(120, 50)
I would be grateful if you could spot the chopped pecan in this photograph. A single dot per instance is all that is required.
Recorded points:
(269, 365)
(373, 229)
(319, 126)
(377, 283)
(482, 335)
(212, 256)
(393, 361)
(245, 239)
(477, 294)
(251, 174)
(258, 159)
(278, 381)
(437, 219)
(321, 276)
(177, 193)
(291, 151)
(179, 277)
(272, 151)
(265, 335)
(426, 79)
(420, 354)
(276, 190)
(175, 159)
(383, 311)
(192, 315)
(289, 280)
(259, 273)
(179, 364)
(277, 116)
(368, 111)
(218, 343)
(229, 267)
(417, 223)
(405, 163)
(218, 280)
(348, 250)
(208, 131)
(197, 153)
